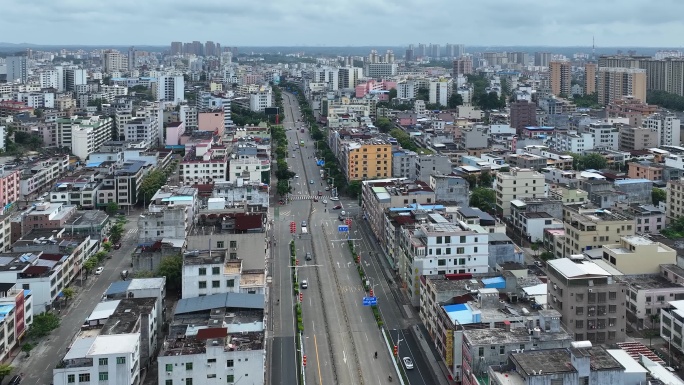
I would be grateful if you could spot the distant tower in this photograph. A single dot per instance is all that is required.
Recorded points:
(593, 49)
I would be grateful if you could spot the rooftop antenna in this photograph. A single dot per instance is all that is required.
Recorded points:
(593, 48)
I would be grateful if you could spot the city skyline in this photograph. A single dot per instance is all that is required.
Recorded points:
(356, 23)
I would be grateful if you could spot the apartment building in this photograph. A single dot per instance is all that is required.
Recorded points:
(142, 130)
(10, 181)
(588, 229)
(671, 323)
(667, 128)
(440, 91)
(516, 184)
(366, 159)
(637, 138)
(122, 186)
(559, 77)
(380, 195)
(605, 135)
(164, 223)
(201, 349)
(463, 66)
(39, 174)
(450, 189)
(105, 358)
(591, 301)
(16, 316)
(523, 114)
(207, 273)
(411, 165)
(674, 207)
(648, 295)
(204, 162)
(614, 83)
(638, 255)
(84, 135)
(441, 247)
(171, 88)
(590, 78)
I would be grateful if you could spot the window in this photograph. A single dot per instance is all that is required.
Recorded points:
(188, 366)
(215, 270)
(230, 378)
(188, 381)
(71, 378)
(613, 295)
(612, 308)
(211, 360)
(579, 324)
(169, 367)
(202, 271)
(103, 376)
(230, 283)
(211, 375)
(120, 360)
(84, 377)
(220, 244)
(460, 250)
(233, 244)
(202, 284)
(481, 352)
(579, 310)
(215, 284)
(169, 382)
(230, 363)
(103, 361)
(441, 262)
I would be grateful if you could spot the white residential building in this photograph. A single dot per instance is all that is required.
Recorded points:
(142, 129)
(204, 162)
(207, 273)
(667, 127)
(49, 79)
(518, 183)
(573, 142)
(606, 135)
(441, 247)
(259, 101)
(100, 131)
(249, 169)
(40, 174)
(108, 359)
(440, 91)
(171, 88)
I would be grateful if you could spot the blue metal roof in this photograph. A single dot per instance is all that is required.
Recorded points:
(117, 287)
(630, 181)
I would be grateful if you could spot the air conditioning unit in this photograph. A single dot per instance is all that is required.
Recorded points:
(591, 290)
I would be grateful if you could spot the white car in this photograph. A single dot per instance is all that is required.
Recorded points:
(325, 202)
(305, 284)
(296, 176)
(99, 270)
(334, 198)
(408, 362)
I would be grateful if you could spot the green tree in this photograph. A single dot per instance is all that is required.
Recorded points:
(283, 188)
(116, 232)
(89, 265)
(586, 101)
(5, 370)
(27, 347)
(68, 294)
(152, 182)
(171, 267)
(96, 103)
(658, 195)
(591, 161)
(404, 139)
(392, 94)
(43, 324)
(423, 94)
(143, 274)
(354, 188)
(107, 246)
(384, 124)
(546, 255)
(455, 100)
(486, 179)
(665, 99)
(112, 208)
(483, 198)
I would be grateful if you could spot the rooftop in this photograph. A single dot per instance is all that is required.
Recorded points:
(490, 336)
(125, 318)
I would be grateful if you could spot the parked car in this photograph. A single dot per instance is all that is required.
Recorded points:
(16, 380)
(99, 270)
(117, 246)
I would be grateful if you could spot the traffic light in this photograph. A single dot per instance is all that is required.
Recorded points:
(396, 350)
(296, 262)
(301, 297)
(304, 360)
(371, 292)
(348, 221)
(358, 258)
(293, 227)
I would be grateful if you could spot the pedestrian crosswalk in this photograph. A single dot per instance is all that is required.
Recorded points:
(308, 197)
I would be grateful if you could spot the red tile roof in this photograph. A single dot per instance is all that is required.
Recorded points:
(211, 333)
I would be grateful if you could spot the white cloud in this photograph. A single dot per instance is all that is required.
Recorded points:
(344, 22)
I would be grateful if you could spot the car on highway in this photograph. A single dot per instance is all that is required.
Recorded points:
(308, 256)
(99, 270)
(408, 362)
(303, 223)
(294, 156)
(310, 181)
(334, 198)
(296, 176)
(325, 202)
(337, 207)
(304, 284)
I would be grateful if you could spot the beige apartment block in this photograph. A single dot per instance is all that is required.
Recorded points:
(638, 255)
(675, 200)
(518, 183)
(559, 77)
(588, 229)
(615, 83)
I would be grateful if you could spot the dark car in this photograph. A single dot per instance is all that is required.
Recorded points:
(308, 256)
(117, 246)
(16, 380)
(337, 207)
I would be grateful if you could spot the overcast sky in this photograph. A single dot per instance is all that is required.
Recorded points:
(344, 22)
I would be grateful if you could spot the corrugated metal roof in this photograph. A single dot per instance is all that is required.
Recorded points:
(215, 301)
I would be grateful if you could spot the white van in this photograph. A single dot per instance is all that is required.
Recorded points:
(305, 230)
